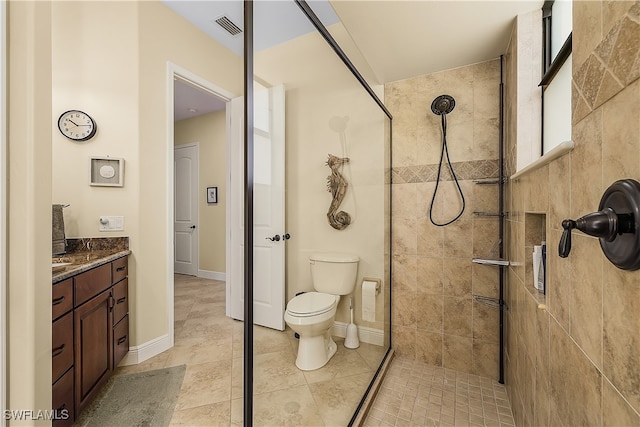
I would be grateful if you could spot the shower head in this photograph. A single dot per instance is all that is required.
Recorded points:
(443, 104)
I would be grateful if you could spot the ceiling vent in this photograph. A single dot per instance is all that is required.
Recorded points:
(228, 25)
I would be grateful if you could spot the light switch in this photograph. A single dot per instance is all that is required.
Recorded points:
(111, 223)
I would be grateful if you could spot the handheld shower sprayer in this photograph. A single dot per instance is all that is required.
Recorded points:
(441, 106)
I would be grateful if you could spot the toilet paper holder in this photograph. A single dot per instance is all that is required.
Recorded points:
(377, 282)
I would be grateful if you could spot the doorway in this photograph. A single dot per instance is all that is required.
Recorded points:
(198, 122)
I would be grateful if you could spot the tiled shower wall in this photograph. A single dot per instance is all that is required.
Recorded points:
(435, 317)
(573, 356)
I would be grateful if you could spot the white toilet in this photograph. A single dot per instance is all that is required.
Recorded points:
(311, 314)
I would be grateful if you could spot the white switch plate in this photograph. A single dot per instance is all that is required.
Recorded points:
(111, 223)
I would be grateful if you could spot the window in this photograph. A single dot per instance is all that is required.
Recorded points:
(557, 72)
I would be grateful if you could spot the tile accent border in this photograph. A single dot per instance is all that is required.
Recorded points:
(477, 169)
(612, 66)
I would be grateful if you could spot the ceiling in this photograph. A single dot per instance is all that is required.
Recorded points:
(399, 39)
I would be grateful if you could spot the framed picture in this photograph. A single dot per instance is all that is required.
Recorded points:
(212, 194)
(106, 171)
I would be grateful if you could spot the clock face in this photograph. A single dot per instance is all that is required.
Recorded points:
(77, 125)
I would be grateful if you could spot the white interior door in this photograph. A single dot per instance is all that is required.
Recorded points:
(185, 228)
(269, 210)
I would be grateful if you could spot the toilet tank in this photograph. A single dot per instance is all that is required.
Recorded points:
(334, 273)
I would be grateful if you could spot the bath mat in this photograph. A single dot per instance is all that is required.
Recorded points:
(141, 399)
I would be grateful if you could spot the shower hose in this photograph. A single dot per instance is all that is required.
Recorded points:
(444, 150)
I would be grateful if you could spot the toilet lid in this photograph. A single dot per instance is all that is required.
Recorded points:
(311, 304)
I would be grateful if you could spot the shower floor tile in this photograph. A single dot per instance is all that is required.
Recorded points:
(417, 394)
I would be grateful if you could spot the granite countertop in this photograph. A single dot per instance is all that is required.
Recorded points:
(85, 254)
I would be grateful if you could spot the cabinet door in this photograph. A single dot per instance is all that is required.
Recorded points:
(93, 346)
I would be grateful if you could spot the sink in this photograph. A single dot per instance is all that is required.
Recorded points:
(59, 266)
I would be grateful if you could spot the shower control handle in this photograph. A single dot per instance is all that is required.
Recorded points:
(605, 224)
(565, 241)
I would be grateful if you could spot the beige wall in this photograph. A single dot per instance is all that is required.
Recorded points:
(29, 207)
(209, 131)
(435, 318)
(576, 362)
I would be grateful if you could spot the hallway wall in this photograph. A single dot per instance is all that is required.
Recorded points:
(577, 361)
(435, 317)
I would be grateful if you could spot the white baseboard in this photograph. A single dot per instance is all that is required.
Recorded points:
(368, 335)
(213, 275)
(142, 352)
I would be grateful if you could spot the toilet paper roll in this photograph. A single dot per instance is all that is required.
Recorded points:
(369, 301)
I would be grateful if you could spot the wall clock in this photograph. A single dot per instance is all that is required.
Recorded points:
(77, 125)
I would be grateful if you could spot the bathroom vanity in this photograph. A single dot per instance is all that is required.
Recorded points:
(90, 332)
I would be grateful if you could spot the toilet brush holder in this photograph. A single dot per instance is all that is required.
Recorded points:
(351, 340)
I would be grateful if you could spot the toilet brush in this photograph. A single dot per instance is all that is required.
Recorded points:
(351, 341)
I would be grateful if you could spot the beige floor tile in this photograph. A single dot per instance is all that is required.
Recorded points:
(205, 384)
(217, 414)
(345, 362)
(338, 398)
(276, 371)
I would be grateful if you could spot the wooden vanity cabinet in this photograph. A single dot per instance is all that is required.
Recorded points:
(96, 327)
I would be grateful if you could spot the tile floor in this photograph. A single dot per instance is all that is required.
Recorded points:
(416, 394)
(211, 346)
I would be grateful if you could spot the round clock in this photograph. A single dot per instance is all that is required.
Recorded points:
(77, 125)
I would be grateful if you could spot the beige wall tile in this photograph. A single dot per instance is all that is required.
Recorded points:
(404, 339)
(587, 27)
(485, 280)
(621, 325)
(457, 353)
(456, 239)
(576, 384)
(586, 301)
(405, 273)
(486, 359)
(560, 197)
(621, 135)
(430, 275)
(486, 322)
(615, 411)
(404, 237)
(457, 277)
(430, 239)
(429, 347)
(485, 236)
(430, 308)
(458, 316)
(405, 305)
(560, 283)
(586, 165)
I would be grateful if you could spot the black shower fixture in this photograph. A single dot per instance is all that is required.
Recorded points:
(443, 104)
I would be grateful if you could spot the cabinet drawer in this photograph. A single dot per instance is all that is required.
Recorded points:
(120, 340)
(119, 269)
(61, 298)
(91, 283)
(121, 297)
(62, 399)
(62, 346)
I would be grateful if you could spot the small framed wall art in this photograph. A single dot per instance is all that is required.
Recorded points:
(212, 194)
(106, 171)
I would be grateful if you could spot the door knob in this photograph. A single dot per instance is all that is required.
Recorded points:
(286, 236)
(275, 238)
(193, 227)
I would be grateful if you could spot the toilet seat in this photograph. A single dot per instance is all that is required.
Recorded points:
(311, 304)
